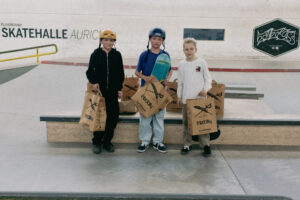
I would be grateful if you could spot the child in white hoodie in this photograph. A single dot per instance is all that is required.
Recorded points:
(194, 80)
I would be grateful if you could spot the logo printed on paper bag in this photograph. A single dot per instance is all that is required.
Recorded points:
(203, 109)
(131, 88)
(92, 104)
(215, 96)
(147, 101)
(204, 122)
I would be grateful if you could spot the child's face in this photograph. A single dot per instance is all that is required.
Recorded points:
(107, 43)
(156, 42)
(189, 50)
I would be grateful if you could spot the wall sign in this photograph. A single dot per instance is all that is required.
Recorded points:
(275, 37)
(17, 30)
(204, 34)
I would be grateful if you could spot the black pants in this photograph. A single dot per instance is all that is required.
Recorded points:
(112, 117)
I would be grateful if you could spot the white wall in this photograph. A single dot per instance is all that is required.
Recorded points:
(132, 20)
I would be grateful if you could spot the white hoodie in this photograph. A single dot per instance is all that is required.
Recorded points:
(193, 76)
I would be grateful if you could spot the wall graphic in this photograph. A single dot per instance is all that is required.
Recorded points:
(204, 34)
(17, 30)
(276, 37)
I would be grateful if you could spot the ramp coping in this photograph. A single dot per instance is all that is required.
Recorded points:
(226, 121)
(133, 196)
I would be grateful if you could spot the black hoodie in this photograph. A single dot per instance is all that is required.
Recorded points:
(106, 70)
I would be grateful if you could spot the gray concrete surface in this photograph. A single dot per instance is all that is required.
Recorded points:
(281, 90)
(266, 172)
(29, 163)
(45, 89)
(9, 74)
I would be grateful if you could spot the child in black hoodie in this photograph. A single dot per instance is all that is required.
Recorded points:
(106, 72)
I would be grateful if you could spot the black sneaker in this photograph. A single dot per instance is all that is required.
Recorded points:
(109, 147)
(96, 149)
(186, 149)
(207, 151)
(160, 147)
(142, 148)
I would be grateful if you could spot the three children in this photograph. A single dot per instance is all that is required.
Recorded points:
(106, 73)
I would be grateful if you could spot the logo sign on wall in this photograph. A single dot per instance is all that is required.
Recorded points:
(17, 30)
(275, 37)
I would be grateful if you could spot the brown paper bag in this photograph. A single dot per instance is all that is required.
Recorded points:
(217, 93)
(151, 98)
(127, 107)
(172, 90)
(130, 86)
(93, 113)
(201, 116)
(89, 87)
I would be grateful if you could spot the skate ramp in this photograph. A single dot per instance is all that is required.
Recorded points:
(44, 89)
(12, 73)
(28, 163)
(70, 196)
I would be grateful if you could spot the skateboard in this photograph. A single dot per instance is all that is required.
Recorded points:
(161, 67)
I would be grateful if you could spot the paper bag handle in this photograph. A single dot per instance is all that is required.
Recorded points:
(98, 92)
(201, 97)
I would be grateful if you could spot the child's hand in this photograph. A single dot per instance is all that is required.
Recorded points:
(165, 82)
(96, 86)
(148, 79)
(203, 93)
(120, 94)
(179, 101)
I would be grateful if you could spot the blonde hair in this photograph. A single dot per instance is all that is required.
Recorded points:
(190, 40)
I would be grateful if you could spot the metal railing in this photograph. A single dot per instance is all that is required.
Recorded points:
(37, 55)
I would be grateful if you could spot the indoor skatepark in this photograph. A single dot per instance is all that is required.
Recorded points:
(45, 155)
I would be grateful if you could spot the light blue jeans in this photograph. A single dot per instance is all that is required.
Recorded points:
(145, 128)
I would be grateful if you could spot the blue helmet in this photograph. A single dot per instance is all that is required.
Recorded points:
(157, 32)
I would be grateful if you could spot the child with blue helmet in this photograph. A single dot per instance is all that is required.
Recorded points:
(144, 69)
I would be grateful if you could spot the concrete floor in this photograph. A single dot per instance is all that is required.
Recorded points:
(28, 163)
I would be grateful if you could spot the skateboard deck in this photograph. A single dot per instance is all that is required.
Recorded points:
(161, 67)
